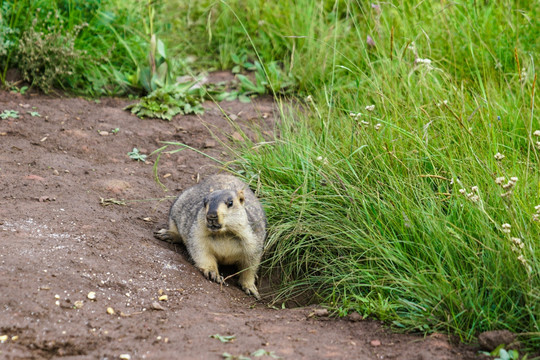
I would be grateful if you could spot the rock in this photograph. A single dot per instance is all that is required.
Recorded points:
(489, 340)
(318, 313)
(354, 317)
(163, 298)
(115, 186)
(209, 143)
(110, 311)
(157, 306)
(237, 136)
(375, 343)
(34, 177)
(92, 295)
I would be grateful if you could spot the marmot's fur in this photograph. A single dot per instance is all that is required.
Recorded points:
(220, 221)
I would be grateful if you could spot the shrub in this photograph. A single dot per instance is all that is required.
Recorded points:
(46, 58)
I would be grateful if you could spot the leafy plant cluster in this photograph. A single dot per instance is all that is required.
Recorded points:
(166, 102)
(167, 99)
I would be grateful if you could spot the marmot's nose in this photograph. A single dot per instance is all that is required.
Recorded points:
(212, 215)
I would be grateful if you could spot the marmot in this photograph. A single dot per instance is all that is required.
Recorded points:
(221, 221)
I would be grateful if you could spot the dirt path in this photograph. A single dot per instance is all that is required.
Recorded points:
(58, 244)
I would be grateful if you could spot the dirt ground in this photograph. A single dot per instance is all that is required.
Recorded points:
(63, 238)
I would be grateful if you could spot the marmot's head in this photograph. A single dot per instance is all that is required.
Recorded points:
(224, 209)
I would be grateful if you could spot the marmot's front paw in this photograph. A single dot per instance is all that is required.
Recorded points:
(251, 290)
(213, 275)
(163, 235)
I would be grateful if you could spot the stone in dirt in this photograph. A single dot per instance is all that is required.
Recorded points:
(489, 340)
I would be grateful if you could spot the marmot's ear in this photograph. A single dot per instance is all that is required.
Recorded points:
(241, 196)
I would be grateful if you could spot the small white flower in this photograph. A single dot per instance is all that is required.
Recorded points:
(536, 133)
(444, 102)
(423, 61)
(517, 241)
(473, 197)
(462, 191)
(509, 185)
(474, 189)
(365, 123)
(370, 107)
(319, 158)
(537, 208)
(538, 145)
(506, 228)
(507, 194)
(513, 179)
(499, 180)
(309, 98)
(499, 156)
(522, 259)
(378, 126)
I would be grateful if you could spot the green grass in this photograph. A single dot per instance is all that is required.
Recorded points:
(370, 217)
(366, 208)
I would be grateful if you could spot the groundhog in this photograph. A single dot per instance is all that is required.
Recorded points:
(220, 221)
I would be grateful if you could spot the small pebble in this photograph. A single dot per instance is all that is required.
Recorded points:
(354, 316)
(3, 338)
(163, 298)
(319, 313)
(125, 357)
(92, 295)
(110, 311)
(78, 304)
(375, 343)
(157, 306)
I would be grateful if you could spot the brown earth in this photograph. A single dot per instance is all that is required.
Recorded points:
(59, 241)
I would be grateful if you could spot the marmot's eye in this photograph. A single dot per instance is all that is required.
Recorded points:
(229, 203)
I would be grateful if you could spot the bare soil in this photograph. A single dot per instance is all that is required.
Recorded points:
(62, 237)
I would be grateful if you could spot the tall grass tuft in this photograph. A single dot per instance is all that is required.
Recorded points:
(407, 185)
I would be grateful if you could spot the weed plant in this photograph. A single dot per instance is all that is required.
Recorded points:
(110, 35)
